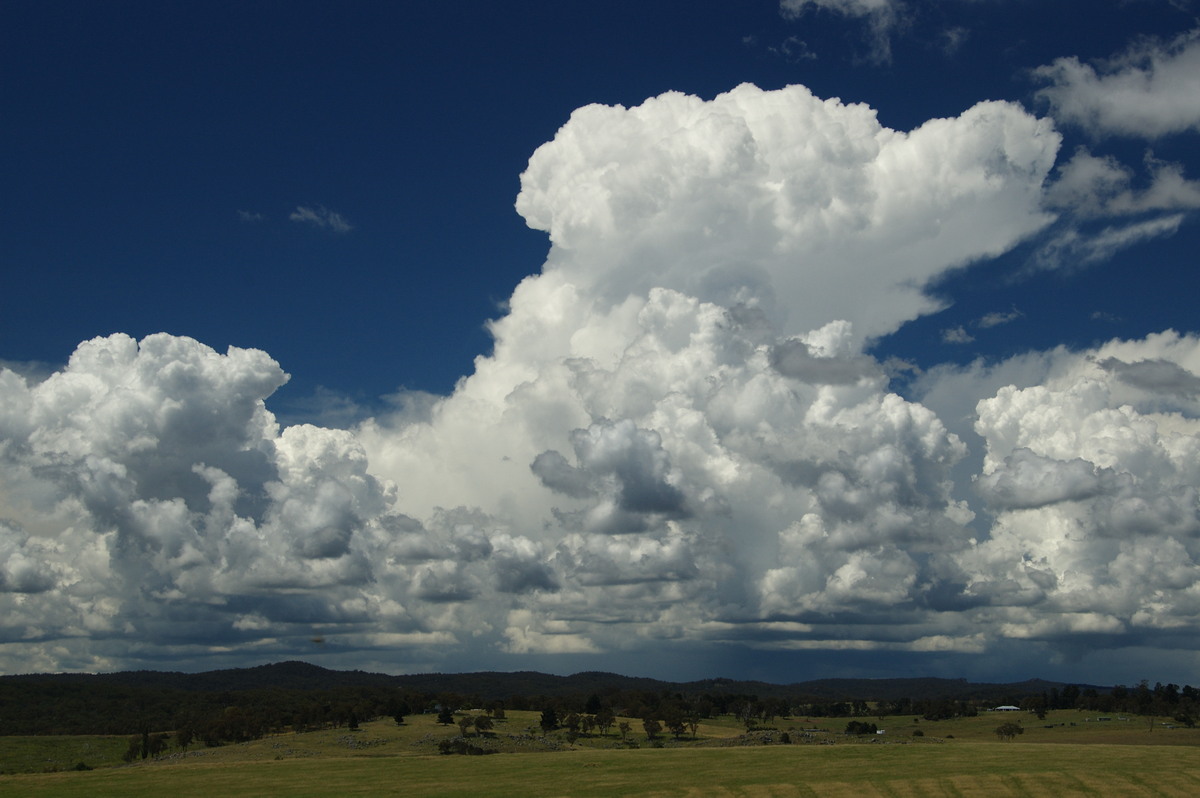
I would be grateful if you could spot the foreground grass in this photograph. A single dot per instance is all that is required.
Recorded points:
(1018, 769)
(59, 752)
(1067, 754)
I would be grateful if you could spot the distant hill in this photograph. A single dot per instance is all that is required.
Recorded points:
(492, 685)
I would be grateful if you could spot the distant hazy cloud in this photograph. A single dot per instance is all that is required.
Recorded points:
(1103, 211)
(957, 335)
(321, 217)
(1073, 248)
(1092, 186)
(998, 318)
(250, 216)
(882, 16)
(953, 39)
(850, 7)
(1150, 90)
(793, 49)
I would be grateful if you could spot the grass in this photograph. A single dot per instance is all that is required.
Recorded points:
(1026, 769)
(32, 754)
(961, 757)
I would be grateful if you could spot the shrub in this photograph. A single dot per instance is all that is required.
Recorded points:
(457, 745)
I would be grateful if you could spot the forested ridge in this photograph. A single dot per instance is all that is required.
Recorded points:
(244, 703)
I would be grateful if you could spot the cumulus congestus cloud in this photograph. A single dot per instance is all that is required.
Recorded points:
(1091, 470)
(678, 437)
(806, 210)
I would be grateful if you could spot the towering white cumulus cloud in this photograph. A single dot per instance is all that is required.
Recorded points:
(148, 493)
(678, 409)
(677, 437)
(805, 209)
(1092, 473)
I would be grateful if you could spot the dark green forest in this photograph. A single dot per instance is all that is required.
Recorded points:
(236, 705)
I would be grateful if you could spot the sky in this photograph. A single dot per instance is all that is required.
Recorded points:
(772, 339)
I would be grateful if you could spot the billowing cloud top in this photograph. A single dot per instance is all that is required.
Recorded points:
(807, 210)
(678, 438)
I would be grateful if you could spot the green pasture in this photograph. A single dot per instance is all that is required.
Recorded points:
(33, 754)
(1018, 769)
(960, 757)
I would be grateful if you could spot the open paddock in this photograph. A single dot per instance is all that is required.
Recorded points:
(964, 769)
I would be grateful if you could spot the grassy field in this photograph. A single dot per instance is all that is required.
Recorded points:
(954, 758)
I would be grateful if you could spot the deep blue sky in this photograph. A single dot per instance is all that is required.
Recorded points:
(666, 449)
(135, 132)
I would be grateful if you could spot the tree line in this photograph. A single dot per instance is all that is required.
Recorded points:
(57, 705)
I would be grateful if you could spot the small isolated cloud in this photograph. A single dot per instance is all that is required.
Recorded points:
(793, 49)
(250, 216)
(1150, 90)
(953, 39)
(1090, 189)
(997, 318)
(960, 335)
(957, 335)
(321, 217)
(851, 8)
(881, 15)
(1089, 186)
(1074, 248)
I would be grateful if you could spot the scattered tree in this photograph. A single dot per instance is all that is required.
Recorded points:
(1007, 731)
(549, 720)
(652, 728)
(861, 727)
(624, 728)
